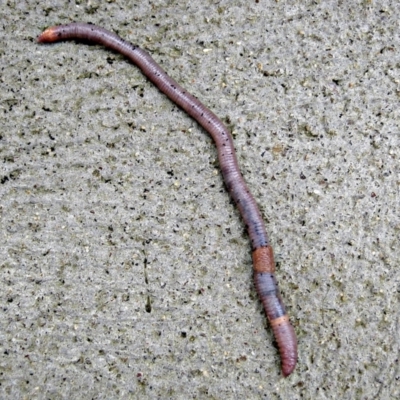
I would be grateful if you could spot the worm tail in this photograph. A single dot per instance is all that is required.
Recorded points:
(267, 289)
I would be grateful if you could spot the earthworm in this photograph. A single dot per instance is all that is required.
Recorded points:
(263, 259)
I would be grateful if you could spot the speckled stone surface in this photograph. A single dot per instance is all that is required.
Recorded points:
(125, 268)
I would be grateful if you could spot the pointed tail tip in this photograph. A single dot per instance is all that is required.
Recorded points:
(287, 369)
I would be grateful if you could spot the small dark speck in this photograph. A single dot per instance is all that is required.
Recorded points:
(302, 176)
(148, 305)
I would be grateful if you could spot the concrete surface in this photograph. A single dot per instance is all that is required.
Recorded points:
(125, 269)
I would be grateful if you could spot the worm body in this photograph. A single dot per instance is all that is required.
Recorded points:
(263, 261)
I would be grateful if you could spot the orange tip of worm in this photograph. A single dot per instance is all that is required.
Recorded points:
(48, 36)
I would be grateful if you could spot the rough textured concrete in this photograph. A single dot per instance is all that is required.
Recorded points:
(125, 269)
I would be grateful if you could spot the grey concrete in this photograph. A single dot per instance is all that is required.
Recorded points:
(125, 269)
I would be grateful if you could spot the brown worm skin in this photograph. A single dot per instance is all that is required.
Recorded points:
(263, 261)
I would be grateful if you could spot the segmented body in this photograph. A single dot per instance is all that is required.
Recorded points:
(263, 261)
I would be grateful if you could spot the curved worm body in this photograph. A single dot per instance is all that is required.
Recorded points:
(263, 260)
